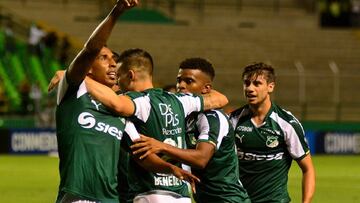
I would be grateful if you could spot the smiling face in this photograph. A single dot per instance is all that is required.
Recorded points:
(257, 90)
(193, 81)
(104, 68)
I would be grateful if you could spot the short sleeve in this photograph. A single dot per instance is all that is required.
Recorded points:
(142, 107)
(213, 127)
(191, 103)
(293, 135)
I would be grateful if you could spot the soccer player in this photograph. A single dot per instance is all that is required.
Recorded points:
(157, 113)
(210, 139)
(268, 138)
(88, 134)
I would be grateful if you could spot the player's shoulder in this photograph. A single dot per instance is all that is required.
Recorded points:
(241, 112)
(282, 115)
(240, 115)
(180, 95)
(209, 115)
(216, 113)
(134, 95)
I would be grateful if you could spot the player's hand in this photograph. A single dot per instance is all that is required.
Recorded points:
(55, 80)
(186, 176)
(146, 145)
(128, 3)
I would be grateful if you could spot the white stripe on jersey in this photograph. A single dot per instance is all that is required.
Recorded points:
(143, 107)
(131, 130)
(63, 87)
(82, 90)
(204, 127)
(234, 119)
(288, 112)
(189, 103)
(224, 128)
(291, 138)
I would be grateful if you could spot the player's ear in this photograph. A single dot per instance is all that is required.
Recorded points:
(207, 88)
(131, 75)
(271, 87)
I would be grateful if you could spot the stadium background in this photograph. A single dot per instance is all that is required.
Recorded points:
(314, 46)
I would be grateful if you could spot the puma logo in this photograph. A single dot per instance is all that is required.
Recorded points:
(96, 104)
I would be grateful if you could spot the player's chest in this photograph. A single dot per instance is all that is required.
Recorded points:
(260, 138)
(94, 116)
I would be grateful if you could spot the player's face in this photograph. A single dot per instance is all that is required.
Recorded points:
(257, 90)
(104, 68)
(192, 81)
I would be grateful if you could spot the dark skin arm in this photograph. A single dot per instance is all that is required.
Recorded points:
(197, 158)
(214, 100)
(81, 65)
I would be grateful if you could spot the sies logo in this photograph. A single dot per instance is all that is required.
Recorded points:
(88, 121)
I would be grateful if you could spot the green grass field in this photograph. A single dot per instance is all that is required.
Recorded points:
(34, 179)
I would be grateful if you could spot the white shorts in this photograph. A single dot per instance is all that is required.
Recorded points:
(69, 198)
(161, 196)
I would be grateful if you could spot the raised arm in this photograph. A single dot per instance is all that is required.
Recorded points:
(54, 82)
(120, 104)
(214, 100)
(80, 66)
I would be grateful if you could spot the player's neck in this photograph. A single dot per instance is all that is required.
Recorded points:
(260, 111)
(143, 85)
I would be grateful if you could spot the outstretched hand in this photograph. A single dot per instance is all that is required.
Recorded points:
(55, 80)
(186, 176)
(147, 145)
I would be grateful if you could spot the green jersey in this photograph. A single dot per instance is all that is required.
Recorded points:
(265, 152)
(161, 115)
(88, 138)
(220, 179)
(123, 186)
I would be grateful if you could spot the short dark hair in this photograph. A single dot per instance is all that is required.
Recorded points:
(116, 56)
(257, 69)
(137, 58)
(199, 64)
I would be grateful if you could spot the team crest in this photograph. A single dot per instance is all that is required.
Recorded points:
(192, 139)
(272, 141)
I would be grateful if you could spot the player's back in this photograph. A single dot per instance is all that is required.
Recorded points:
(161, 115)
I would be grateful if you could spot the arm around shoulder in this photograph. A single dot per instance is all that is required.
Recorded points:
(214, 100)
(120, 104)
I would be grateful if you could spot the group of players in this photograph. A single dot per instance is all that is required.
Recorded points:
(139, 145)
